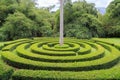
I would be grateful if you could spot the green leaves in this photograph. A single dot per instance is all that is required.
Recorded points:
(111, 20)
(80, 19)
(21, 18)
(18, 26)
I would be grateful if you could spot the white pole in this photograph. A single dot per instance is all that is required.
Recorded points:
(61, 22)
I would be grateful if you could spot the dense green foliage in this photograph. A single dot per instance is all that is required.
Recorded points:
(5, 71)
(111, 20)
(23, 19)
(80, 19)
(43, 58)
(18, 26)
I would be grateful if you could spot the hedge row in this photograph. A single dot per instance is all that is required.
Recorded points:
(86, 48)
(5, 71)
(94, 64)
(13, 46)
(104, 41)
(30, 55)
(36, 48)
(102, 63)
(75, 48)
(108, 74)
(61, 46)
(1, 45)
(15, 41)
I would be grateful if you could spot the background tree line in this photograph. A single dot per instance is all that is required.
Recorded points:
(21, 19)
(111, 20)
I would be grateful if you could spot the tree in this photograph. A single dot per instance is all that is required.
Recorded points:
(61, 22)
(79, 16)
(18, 26)
(39, 22)
(67, 1)
(111, 19)
(113, 8)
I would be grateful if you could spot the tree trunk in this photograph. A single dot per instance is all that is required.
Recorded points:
(61, 22)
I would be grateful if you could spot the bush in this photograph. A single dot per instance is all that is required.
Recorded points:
(76, 30)
(104, 62)
(86, 49)
(60, 56)
(66, 75)
(94, 57)
(18, 26)
(114, 31)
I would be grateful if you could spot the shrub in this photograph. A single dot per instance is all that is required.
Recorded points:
(104, 62)
(93, 57)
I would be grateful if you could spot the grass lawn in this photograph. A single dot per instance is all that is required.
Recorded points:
(110, 40)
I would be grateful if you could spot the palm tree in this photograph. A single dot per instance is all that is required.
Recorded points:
(61, 22)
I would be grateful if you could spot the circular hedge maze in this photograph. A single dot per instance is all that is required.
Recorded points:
(45, 59)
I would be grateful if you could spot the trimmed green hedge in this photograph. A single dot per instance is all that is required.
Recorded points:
(13, 46)
(109, 74)
(35, 48)
(102, 63)
(75, 48)
(61, 46)
(26, 54)
(15, 41)
(1, 45)
(117, 45)
(86, 49)
(41, 59)
(5, 71)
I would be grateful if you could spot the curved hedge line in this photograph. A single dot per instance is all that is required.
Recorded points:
(102, 63)
(5, 71)
(86, 49)
(30, 55)
(45, 59)
(35, 48)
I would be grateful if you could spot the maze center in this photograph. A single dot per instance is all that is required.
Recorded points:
(61, 46)
(74, 55)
